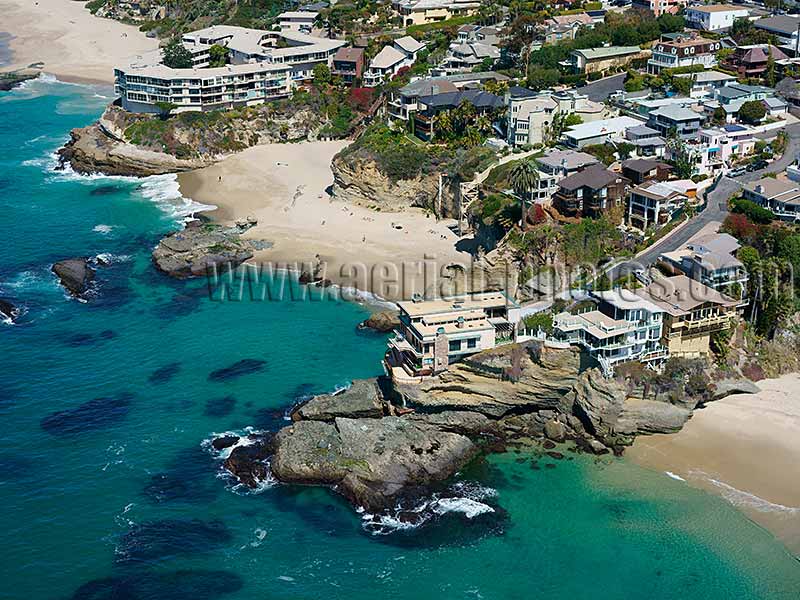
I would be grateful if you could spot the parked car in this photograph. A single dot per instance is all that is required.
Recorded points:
(757, 165)
(738, 171)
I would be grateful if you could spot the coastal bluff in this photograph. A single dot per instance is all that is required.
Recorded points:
(378, 442)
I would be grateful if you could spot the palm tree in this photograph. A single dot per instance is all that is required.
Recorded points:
(442, 125)
(524, 178)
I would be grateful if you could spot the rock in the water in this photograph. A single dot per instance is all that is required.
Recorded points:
(384, 321)
(8, 311)
(361, 400)
(201, 247)
(555, 430)
(373, 462)
(75, 274)
(11, 79)
(248, 462)
(226, 441)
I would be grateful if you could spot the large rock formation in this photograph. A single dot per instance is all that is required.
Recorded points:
(75, 274)
(92, 150)
(376, 452)
(11, 79)
(199, 247)
(383, 321)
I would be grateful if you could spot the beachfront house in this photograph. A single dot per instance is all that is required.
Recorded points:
(263, 66)
(692, 313)
(622, 327)
(436, 333)
(555, 165)
(428, 107)
(404, 102)
(401, 53)
(348, 64)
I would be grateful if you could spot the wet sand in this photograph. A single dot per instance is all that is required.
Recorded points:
(745, 448)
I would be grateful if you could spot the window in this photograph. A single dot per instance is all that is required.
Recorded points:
(472, 343)
(455, 345)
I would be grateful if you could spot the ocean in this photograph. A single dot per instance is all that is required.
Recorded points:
(120, 498)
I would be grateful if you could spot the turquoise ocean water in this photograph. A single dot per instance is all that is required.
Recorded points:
(119, 499)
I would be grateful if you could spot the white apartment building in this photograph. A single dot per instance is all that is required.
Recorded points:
(622, 328)
(435, 333)
(391, 59)
(264, 65)
(714, 17)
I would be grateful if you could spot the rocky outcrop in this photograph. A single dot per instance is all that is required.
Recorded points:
(200, 247)
(92, 150)
(75, 274)
(11, 79)
(372, 462)
(360, 181)
(363, 399)
(8, 311)
(383, 321)
(644, 417)
(728, 387)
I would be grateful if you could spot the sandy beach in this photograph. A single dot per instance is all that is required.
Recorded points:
(73, 44)
(284, 187)
(745, 448)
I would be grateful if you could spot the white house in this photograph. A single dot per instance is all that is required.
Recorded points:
(297, 20)
(714, 17)
(388, 62)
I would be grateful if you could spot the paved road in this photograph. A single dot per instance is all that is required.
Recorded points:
(600, 90)
(716, 209)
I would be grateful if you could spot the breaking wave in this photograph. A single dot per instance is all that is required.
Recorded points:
(742, 499)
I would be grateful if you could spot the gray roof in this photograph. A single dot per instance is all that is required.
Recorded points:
(568, 159)
(477, 98)
(677, 113)
(783, 24)
(609, 52)
(642, 165)
(643, 130)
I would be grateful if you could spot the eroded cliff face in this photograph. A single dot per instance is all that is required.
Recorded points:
(123, 143)
(358, 179)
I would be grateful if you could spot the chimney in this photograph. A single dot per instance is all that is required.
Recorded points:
(759, 189)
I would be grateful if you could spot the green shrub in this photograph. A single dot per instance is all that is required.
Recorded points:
(752, 211)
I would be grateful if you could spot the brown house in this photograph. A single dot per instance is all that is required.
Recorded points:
(590, 193)
(751, 61)
(348, 64)
(639, 170)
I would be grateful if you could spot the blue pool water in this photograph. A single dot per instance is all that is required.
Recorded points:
(119, 499)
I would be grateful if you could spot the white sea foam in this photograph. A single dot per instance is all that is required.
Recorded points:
(743, 499)
(109, 258)
(164, 190)
(469, 508)
(103, 228)
(674, 476)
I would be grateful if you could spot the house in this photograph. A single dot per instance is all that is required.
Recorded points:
(683, 51)
(638, 170)
(683, 122)
(391, 59)
(590, 192)
(430, 106)
(599, 132)
(660, 7)
(403, 103)
(555, 165)
(692, 313)
(466, 56)
(530, 113)
(422, 12)
(300, 21)
(752, 61)
(348, 64)
(716, 148)
(783, 27)
(647, 142)
(263, 66)
(789, 90)
(597, 60)
(654, 204)
(705, 83)
(622, 328)
(734, 95)
(780, 195)
(714, 17)
(710, 258)
(436, 333)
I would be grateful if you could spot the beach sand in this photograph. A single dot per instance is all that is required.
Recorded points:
(73, 44)
(745, 448)
(284, 187)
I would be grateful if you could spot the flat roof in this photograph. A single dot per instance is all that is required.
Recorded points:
(482, 300)
(606, 126)
(569, 159)
(680, 295)
(713, 8)
(778, 188)
(625, 299)
(608, 52)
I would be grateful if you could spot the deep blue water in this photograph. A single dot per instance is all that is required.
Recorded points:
(117, 498)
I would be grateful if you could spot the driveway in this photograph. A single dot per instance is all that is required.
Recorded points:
(716, 209)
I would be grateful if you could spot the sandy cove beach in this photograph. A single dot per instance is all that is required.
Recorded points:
(745, 448)
(284, 187)
(73, 44)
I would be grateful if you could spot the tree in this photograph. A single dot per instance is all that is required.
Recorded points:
(165, 108)
(218, 56)
(720, 116)
(769, 75)
(572, 119)
(682, 85)
(322, 75)
(176, 55)
(682, 159)
(524, 178)
(752, 112)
